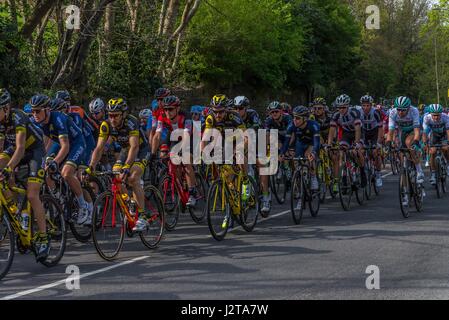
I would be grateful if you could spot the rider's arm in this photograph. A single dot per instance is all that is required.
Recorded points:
(156, 142)
(332, 132)
(64, 151)
(391, 126)
(19, 150)
(316, 138)
(2, 143)
(133, 150)
(98, 151)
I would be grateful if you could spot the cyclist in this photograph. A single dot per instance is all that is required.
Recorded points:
(174, 120)
(145, 116)
(98, 114)
(160, 94)
(22, 144)
(27, 109)
(124, 129)
(68, 146)
(436, 125)
(406, 118)
(286, 107)
(348, 120)
(304, 136)
(320, 115)
(372, 132)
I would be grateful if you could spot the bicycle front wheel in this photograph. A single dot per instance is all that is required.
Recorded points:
(404, 194)
(154, 211)
(345, 188)
(7, 244)
(56, 229)
(250, 206)
(298, 197)
(218, 210)
(199, 212)
(108, 227)
(170, 198)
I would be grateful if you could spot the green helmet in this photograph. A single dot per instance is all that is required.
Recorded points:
(435, 108)
(402, 103)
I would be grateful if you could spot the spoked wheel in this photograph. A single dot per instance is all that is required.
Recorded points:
(249, 206)
(321, 175)
(278, 185)
(56, 229)
(108, 226)
(438, 186)
(418, 196)
(155, 215)
(370, 178)
(199, 211)
(170, 198)
(404, 194)
(298, 198)
(394, 162)
(314, 200)
(345, 188)
(7, 244)
(443, 178)
(359, 191)
(218, 210)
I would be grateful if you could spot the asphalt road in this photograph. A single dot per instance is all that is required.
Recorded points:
(323, 258)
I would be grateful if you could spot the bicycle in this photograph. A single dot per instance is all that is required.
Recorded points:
(408, 186)
(226, 204)
(175, 194)
(370, 170)
(324, 172)
(441, 171)
(115, 213)
(349, 181)
(20, 232)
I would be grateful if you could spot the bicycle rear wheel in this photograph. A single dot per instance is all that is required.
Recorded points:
(218, 210)
(199, 212)
(154, 210)
(80, 232)
(108, 227)
(7, 244)
(404, 194)
(56, 229)
(321, 175)
(298, 198)
(278, 185)
(438, 186)
(250, 207)
(170, 198)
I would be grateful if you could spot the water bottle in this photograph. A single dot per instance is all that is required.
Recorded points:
(133, 207)
(25, 220)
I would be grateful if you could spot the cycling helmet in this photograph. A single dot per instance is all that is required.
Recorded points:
(219, 101)
(172, 101)
(58, 104)
(435, 108)
(40, 101)
(286, 107)
(343, 100)
(196, 109)
(241, 101)
(117, 105)
(275, 105)
(145, 113)
(402, 102)
(63, 94)
(318, 101)
(161, 93)
(154, 104)
(300, 111)
(366, 99)
(5, 97)
(96, 106)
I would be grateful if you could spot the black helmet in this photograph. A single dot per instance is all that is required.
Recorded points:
(300, 111)
(40, 101)
(63, 94)
(275, 105)
(5, 97)
(162, 93)
(172, 101)
(58, 104)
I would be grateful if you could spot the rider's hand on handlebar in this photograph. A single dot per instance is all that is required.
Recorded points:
(52, 166)
(5, 173)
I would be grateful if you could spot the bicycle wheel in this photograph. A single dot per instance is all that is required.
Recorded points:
(278, 185)
(218, 210)
(418, 196)
(199, 212)
(250, 207)
(314, 200)
(443, 176)
(108, 227)
(170, 198)
(345, 188)
(370, 178)
(56, 229)
(438, 178)
(81, 233)
(321, 175)
(404, 194)
(359, 191)
(298, 198)
(154, 210)
(7, 243)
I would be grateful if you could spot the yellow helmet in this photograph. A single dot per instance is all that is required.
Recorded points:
(116, 105)
(219, 100)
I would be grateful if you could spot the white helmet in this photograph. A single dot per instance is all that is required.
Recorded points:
(241, 101)
(145, 113)
(96, 105)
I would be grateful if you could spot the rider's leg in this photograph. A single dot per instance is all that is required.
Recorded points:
(133, 180)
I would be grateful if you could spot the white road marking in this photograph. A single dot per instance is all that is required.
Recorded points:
(63, 281)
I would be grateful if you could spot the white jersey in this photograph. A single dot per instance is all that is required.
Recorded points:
(439, 127)
(406, 123)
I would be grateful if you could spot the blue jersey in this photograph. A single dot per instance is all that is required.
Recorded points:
(86, 129)
(309, 135)
(282, 125)
(60, 126)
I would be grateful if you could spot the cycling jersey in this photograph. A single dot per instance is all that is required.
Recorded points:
(406, 123)
(121, 135)
(252, 119)
(281, 125)
(87, 130)
(324, 122)
(348, 121)
(231, 120)
(304, 137)
(371, 121)
(439, 128)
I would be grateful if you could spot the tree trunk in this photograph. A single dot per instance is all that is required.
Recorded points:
(162, 17)
(40, 11)
(170, 17)
(25, 10)
(40, 33)
(109, 20)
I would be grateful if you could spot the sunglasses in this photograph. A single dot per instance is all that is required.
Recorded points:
(218, 111)
(275, 112)
(36, 111)
(196, 114)
(114, 115)
(402, 110)
(342, 107)
(299, 118)
(169, 109)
